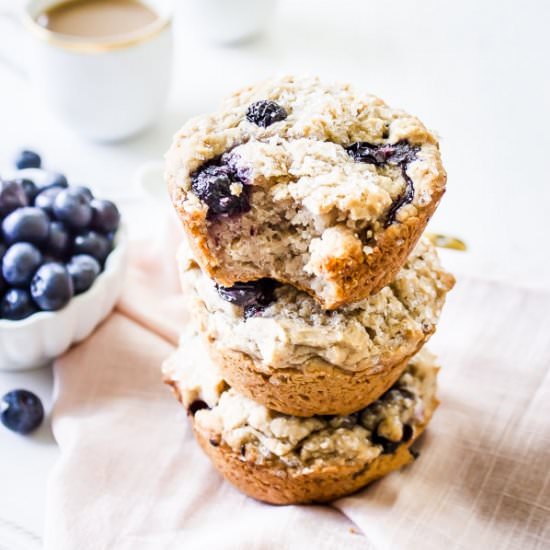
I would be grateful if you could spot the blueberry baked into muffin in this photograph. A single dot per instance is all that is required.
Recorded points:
(276, 345)
(312, 184)
(284, 459)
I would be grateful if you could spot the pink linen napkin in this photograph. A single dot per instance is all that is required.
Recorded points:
(131, 476)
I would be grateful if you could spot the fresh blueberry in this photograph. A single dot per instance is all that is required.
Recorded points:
(72, 207)
(59, 241)
(93, 243)
(3, 285)
(12, 196)
(28, 224)
(52, 179)
(84, 191)
(16, 304)
(22, 411)
(105, 216)
(265, 112)
(253, 296)
(29, 187)
(45, 199)
(52, 286)
(28, 159)
(83, 270)
(212, 184)
(43, 179)
(19, 263)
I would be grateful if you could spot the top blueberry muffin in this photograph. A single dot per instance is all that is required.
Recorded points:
(309, 183)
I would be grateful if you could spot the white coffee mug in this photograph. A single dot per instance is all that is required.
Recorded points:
(104, 89)
(229, 21)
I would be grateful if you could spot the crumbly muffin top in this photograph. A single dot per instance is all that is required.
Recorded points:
(343, 155)
(263, 436)
(281, 327)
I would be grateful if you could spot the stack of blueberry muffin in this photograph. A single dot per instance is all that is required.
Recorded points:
(311, 291)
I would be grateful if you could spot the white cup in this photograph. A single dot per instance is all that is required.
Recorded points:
(104, 89)
(230, 21)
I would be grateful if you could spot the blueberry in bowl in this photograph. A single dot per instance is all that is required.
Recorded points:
(26, 224)
(28, 159)
(72, 206)
(62, 263)
(29, 188)
(105, 216)
(59, 241)
(93, 244)
(52, 286)
(19, 263)
(17, 304)
(45, 199)
(12, 196)
(83, 270)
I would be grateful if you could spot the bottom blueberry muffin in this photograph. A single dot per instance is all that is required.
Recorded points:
(283, 459)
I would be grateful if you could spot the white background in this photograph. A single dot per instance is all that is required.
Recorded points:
(478, 73)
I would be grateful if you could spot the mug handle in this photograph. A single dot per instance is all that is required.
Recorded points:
(11, 22)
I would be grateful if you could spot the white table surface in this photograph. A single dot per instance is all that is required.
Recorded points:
(476, 72)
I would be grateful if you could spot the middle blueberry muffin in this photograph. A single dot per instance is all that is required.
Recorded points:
(277, 346)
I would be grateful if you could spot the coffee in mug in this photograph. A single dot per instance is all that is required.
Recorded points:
(96, 18)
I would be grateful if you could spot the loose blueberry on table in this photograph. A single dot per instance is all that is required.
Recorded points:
(54, 239)
(21, 411)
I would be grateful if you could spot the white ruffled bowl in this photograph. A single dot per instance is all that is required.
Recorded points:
(36, 340)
